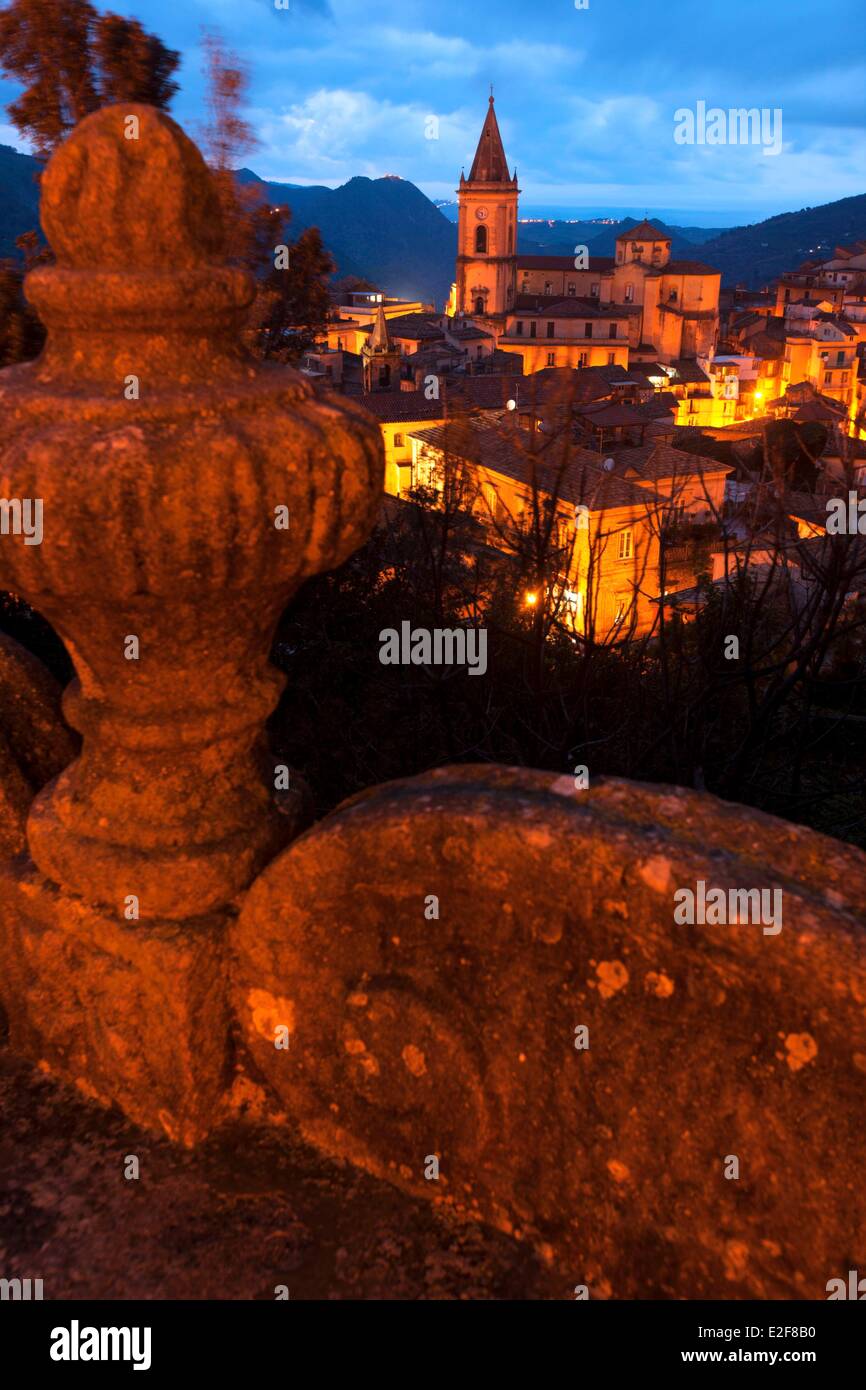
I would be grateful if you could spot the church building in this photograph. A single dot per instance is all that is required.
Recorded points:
(573, 311)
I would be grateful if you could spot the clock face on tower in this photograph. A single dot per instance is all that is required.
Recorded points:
(481, 214)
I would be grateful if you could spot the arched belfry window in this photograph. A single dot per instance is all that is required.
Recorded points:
(481, 240)
(510, 240)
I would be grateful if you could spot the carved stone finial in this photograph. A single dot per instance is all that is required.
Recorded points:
(186, 491)
(130, 191)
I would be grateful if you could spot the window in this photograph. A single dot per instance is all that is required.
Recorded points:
(587, 330)
(625, 543)
(510, 240)
(533, 329)
(594, 291)
(611, 359)
(582, 359)
(828, 377)
(520, 328)
(479, 351)
(612, 330)
(572, 287)
(491, 498)
(629, 294)
(548, 287)
(550, 331)
(672, 297)
(398, 441)
(840, 359)
(551, 359)
(481, 240)
(479, 305)
(844, 378)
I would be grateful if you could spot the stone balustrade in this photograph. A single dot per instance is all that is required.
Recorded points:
(473, 983)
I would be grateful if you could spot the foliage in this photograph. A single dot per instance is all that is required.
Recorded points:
(70, 60)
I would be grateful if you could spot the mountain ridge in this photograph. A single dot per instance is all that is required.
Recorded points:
(387, 231)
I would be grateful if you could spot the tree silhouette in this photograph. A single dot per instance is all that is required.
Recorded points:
(71, 60)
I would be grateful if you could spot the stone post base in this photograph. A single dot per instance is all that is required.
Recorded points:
(131, 1013)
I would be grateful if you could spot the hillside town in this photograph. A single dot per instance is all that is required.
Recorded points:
(662, 385)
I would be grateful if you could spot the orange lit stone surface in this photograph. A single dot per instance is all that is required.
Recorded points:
(455, 1036)
(161, 452)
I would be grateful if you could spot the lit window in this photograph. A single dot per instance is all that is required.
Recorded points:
(624, 545)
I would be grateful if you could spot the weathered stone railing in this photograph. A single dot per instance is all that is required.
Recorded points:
(186, 492)
(472, 983)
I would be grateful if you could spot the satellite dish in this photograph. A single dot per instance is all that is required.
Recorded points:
(608, 465)
(511, 405)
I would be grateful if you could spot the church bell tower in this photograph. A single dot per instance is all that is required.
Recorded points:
(487, 230)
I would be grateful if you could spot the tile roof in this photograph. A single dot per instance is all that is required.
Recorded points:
(644, 231)
(488, 392)
(394, 407)
(607, 414)
(469, 331)
(689, 268)
(688, 372)
(573, 475)
(656, 461)
(572, 307)
(408, 326)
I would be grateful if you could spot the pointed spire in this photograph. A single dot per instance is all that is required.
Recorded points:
(490, 164)
(380, 339)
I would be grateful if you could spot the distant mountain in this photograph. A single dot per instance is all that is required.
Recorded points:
(19, 197)
(561, 238)
(385, 230)
(754, 255)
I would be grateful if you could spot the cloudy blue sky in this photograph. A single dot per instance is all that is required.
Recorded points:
(586, 98)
